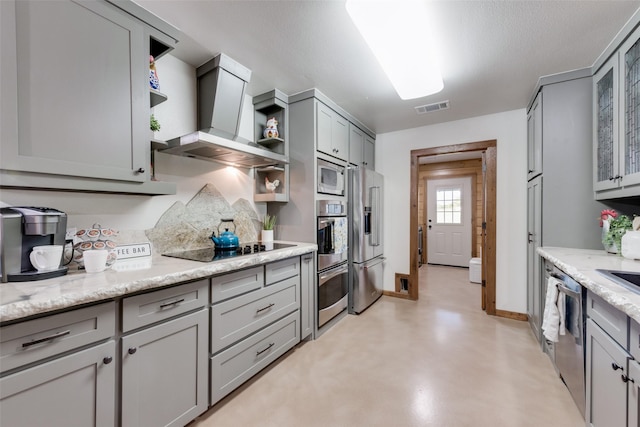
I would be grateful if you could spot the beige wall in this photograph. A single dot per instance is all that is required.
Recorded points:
(463, 167)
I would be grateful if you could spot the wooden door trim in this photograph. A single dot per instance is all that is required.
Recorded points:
(489, 252)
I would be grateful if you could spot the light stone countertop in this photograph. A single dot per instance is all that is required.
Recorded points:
(22, 299)
(581, 264)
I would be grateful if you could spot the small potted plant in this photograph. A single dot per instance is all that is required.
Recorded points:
(614, 226)
(267, 227)
(154, 124)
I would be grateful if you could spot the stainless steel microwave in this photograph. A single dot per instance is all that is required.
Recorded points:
(331, 178)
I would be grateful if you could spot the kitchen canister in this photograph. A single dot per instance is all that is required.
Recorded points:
(95, 238)
(631, 245)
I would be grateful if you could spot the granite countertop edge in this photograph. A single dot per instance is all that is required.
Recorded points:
(581, 265)
(20, 300)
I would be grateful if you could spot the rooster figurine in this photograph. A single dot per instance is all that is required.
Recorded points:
(271, 186)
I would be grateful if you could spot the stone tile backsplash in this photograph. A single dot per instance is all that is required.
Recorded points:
(184, 227)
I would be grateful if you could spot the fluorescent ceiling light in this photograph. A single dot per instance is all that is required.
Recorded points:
(396, 31)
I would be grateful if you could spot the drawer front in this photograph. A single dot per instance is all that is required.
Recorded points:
(234, 366)
(280, 270)
(145, 309)
(238, 283)
(34, 340)
(609, 318)
(235, 319)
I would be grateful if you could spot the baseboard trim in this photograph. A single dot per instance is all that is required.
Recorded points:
(512, 315)
(401, 295)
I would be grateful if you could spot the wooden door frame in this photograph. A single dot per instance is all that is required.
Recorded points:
(489, 251)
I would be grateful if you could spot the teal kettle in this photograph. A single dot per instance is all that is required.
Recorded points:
(226, 240)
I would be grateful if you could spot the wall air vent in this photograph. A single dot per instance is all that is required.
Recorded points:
(429, 108)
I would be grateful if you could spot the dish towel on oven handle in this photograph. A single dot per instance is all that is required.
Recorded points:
(553, 317)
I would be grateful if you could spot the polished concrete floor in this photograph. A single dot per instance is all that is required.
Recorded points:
(440, 361)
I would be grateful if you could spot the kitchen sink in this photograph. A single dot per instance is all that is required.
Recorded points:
(628, 279)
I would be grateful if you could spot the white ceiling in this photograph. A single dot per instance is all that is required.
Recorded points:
(492, 52)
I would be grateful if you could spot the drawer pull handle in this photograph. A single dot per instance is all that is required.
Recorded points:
(258, 353)
(615, 366)
(49, 338)
(264, 308)
(107, 360)
(626, 378)
(170, 304)
(132, 350)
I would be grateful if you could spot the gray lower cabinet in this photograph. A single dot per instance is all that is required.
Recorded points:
(164, 364)
(74, 390)
(612, 373)
(534, 226)
(606, 392)
(164, 372)
(307, 296)
(58, 362)
(252, 329)
(75, 95)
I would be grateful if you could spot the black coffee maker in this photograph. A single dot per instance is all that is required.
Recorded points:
(23, 228)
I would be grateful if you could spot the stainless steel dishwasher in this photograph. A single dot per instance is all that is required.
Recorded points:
(570, 348)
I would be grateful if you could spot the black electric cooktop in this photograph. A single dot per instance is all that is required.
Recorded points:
(210, 254)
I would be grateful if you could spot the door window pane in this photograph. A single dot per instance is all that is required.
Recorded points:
(449, 205)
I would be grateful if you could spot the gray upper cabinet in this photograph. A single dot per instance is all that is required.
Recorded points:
(616, 137)
(75, 93)
(332, 132)
(361, 147)
(369, 152)
(534, 138)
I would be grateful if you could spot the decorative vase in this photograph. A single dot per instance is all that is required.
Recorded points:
(267, 235)
(609, 247)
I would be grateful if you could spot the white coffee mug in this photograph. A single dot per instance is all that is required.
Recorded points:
(46, 258)
(95, 261)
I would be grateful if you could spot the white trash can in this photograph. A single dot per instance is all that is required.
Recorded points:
(475, 270)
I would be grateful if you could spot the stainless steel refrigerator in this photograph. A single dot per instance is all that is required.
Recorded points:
(365, 244)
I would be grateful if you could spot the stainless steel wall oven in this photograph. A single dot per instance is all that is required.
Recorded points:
(333, 270)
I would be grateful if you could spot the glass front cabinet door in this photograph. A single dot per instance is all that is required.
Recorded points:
(616, 93)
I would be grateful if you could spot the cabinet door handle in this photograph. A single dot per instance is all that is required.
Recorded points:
(45, 339)
(615, 366)
(258, 353)
(132, 350)
(264, 308)
(626, 379)
(107, 360)
(171, 304)
(140, 170)
(529, 237)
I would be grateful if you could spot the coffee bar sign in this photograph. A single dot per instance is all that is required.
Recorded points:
(139, 250)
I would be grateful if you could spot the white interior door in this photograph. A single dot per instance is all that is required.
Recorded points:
(449, 221)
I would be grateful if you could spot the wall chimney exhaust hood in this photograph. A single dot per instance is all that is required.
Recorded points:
(221, 88)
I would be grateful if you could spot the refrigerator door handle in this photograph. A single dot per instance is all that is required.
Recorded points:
(380, 261)
(375, 214)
